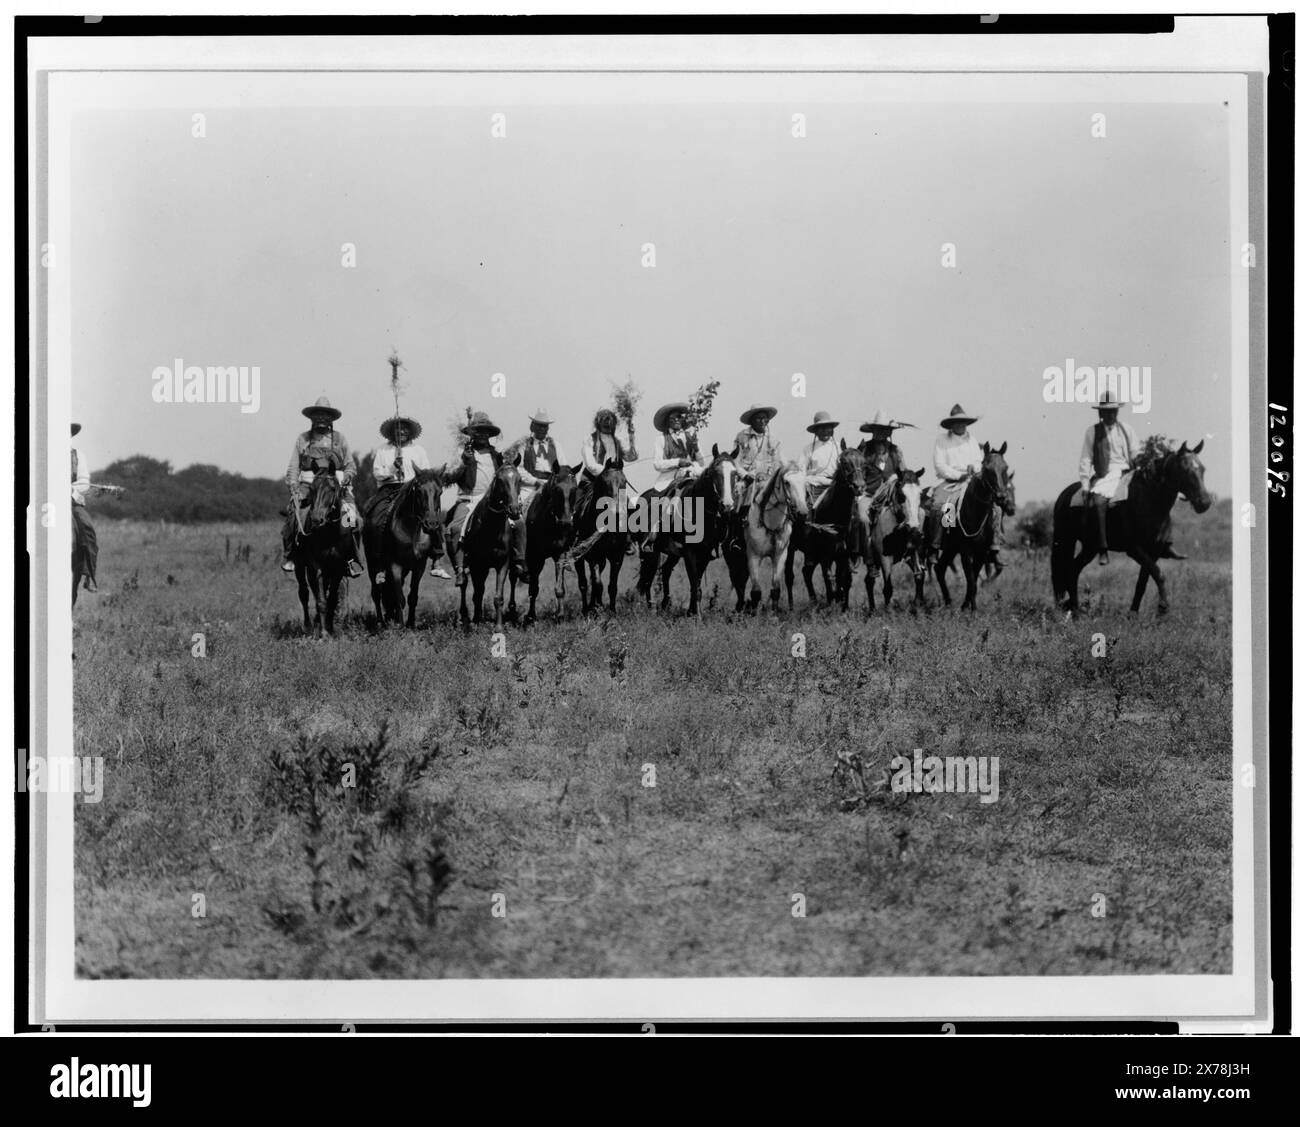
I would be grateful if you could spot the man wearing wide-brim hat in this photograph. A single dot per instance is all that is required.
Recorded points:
(539, 457)
(884, 458)
(819, 460)
(393, 465)
(321, 449)
(758, 454)
(676, 459)
(1109, 447)
(957, 457)
(479, 462)
(84, 534)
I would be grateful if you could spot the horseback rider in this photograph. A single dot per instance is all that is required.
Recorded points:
(884, 458)
(758, 454)
(540, 457)
(820, 458)
(1109, 447)
(676, 459)
(319, 450)
(957, 458)
(82, 527)
(479, 462)
(600, 446)
(394, 464)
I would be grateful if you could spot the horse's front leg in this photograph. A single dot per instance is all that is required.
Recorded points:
(941, 575)
(499, 599)
(304, 595)
(887, 584)
(972, 573)
(333, 585)
(664, 577)
(1152, 569)
(417, 573)
(314, 578)
(754, 565)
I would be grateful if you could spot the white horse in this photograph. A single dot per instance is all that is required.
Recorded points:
(768, 527)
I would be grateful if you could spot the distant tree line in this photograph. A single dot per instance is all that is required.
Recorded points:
(154, 491)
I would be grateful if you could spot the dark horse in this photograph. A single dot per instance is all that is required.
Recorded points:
(607, 547)
(488, 542)
(550, 528)
(84, 550)
(1139, 525)
(708, 501)
(824, 537)
(403, 531)
(895, 537)
(322, 551)
(971, 535)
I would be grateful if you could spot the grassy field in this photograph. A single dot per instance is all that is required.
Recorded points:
(499, 824)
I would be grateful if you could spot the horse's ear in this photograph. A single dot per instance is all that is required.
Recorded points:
(843, 446)
(1004, 449)
(985, 447)
(1182, 449)
(735, 450)
(715, 449)
(516, 459)
(920, 473)
(1010, 474)
(576, 469)
(1198, 447)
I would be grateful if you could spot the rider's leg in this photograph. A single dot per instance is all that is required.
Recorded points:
(1099, 506)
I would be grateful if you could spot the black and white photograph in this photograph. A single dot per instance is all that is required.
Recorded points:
(650, 528)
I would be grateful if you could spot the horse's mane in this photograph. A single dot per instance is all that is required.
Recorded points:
(770, 488)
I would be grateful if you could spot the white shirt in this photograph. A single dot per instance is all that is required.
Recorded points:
(1122, 443)
(484, 475)
(543, 464)
(956, 454)
(669, 470)
(385, 465)
(81, 486)
(819, 461)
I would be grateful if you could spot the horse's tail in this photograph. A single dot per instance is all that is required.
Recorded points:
(1063, 537)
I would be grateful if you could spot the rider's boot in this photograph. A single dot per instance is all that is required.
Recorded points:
(1099, 506)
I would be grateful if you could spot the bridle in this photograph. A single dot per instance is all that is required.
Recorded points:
(995, 496)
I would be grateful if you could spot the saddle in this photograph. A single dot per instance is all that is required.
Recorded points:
(1121, 493)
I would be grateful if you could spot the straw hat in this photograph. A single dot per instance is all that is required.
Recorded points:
(822, 419)
(388, 426)
(1108, 402)
(747, 417)
(956, 417)
(322, 407)
(881, 421)
(480, 421)
(661, 416)
(541, 415)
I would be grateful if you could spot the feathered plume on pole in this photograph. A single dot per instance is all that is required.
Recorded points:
(395, 362)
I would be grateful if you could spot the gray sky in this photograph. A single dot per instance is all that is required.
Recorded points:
(774, 255)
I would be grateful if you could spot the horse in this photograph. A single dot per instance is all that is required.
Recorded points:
(550, 530)
(1138, 525)
(85, 549)
(603, 547)
(487, 540)
(711, 498)
(322, 551)
(895, 537)
(765, 534)
(824, 537)
(403, 531)
(971, 536)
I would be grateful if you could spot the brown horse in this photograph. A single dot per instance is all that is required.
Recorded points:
(971, 535)
(606, 548)
(322, 551)
(550, 530)
(488, 542)
(1139, 525)
(709, 499)
(403, 531)
(824, 537)
(895, 537)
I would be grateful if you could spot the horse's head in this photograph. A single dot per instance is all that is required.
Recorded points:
(426, 502)
(720, 477)
(907, 492)
(789, 485)
(1188, 473)
(322, 501)
(995, 475)
(504, 494)
(611, 480)
(561, 492)
(851, 473)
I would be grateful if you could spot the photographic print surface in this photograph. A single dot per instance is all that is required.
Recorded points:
(649, 527)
